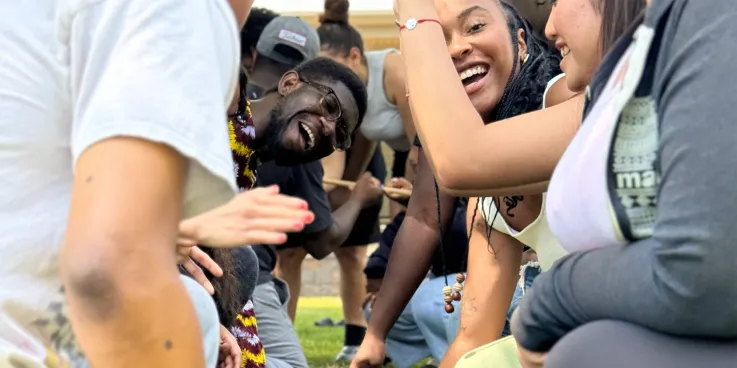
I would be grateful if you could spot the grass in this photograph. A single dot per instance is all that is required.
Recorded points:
(320, 344)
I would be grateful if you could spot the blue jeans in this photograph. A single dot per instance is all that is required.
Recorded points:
(528, 273)
(423, 329)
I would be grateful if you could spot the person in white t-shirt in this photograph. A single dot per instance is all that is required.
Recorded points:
(113, 116)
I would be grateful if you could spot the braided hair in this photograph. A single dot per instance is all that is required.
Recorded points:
(523, 92)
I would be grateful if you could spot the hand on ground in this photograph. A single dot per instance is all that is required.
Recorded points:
(371, 354)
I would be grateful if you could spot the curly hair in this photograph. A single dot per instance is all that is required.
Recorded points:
(524, 90)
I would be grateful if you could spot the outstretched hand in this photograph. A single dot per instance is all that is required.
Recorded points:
(258, 216)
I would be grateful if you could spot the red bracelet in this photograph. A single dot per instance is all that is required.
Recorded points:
(412, 23)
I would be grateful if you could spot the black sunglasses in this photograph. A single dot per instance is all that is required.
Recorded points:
(331, 109)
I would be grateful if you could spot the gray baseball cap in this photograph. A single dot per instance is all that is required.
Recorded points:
(289, 40)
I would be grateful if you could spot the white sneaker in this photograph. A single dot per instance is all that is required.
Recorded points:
(346, 354)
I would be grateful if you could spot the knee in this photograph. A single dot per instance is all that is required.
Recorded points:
(291, 259)
(352, 256)
(587, 345)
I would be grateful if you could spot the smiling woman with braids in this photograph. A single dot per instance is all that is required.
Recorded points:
(479, 35)
(583, 38)
(514, 156)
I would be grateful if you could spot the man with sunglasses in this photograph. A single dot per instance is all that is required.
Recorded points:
(309, 112)
(284, 44)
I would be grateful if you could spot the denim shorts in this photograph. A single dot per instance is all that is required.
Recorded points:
(527, 275)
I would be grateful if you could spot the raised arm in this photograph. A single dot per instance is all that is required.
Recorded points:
(412, 252)
(518, 153)
(493, 271)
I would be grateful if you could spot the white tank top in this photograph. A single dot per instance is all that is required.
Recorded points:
(382, 122)
(536, 235)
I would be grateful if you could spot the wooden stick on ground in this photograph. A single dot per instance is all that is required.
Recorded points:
(351, 184)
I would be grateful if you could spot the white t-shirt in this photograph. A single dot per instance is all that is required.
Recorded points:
(73, 73)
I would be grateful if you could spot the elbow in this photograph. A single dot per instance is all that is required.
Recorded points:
(324, 244)
(451, 179)
(100, 275)
(91, 283)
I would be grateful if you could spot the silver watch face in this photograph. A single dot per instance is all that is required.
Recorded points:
(411, 23)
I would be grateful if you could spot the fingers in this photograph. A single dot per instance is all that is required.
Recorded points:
(280, 212)
(263, 237)
(283, 225)
(235, 354)
(400, 183)
(268, 196)
(196, 273)
(205, 261)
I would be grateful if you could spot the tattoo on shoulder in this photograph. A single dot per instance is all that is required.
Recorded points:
(511, 203)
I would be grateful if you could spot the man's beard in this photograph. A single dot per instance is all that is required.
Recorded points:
(274, 134)
(273, 139)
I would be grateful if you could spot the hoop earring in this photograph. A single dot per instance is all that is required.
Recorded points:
(524, 61)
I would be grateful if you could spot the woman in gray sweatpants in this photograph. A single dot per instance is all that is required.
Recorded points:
(662, 295)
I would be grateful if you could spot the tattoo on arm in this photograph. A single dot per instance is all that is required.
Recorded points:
(468, 308)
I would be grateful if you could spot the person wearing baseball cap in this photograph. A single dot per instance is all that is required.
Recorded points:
(284, 43)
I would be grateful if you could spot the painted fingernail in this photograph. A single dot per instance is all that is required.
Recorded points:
(309, 218)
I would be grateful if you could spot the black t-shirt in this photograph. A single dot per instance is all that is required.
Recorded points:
(303, 181)
(452, 260)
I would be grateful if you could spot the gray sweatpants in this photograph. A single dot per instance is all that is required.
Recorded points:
(274, 327)
(614, 344)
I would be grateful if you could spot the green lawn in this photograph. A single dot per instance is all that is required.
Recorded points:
(321, 344)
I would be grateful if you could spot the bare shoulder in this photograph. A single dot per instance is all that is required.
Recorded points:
(393, 61)
(559, 93)
(394, 81)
